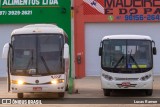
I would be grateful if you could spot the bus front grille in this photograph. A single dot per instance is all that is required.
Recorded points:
(122, 79)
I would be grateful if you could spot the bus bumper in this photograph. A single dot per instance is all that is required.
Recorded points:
(138, 84)
(15, 88)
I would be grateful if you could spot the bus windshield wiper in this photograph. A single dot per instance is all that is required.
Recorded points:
(119, 61)
(134, 61)
(130, 56)
(45, 64)
(30, 60)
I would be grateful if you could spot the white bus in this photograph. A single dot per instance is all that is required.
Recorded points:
(127, 63)
(37, 60)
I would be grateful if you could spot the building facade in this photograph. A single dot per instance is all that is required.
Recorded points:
(18, 13)
(97, 18)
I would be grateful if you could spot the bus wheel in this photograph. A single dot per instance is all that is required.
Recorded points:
(20, 95)
(106, 92)
(61, 94)
(149, 92)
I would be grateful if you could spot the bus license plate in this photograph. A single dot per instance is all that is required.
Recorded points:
(126, 84)
(37, 88)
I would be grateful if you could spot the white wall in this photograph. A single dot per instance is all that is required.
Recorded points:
(95, 31)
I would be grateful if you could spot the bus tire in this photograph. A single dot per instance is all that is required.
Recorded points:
(106, 92)
(66, 88)
(20, 95)
(61, 95)
(149, 92)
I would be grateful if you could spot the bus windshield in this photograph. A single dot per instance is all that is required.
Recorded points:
(38, 54)
(127, 56)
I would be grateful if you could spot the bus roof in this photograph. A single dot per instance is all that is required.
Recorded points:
(38, 28)
(141, 37)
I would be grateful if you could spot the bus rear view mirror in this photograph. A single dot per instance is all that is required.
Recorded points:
(154, 48)
(66, 51)
(154, 51)
(100, 51)
(5, 51)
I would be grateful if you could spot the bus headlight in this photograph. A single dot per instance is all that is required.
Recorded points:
(20, 82)
(56, 81)
(107, 77)
(146, 77)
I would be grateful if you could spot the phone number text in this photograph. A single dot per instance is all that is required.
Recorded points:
(142, 17)
(16, 13)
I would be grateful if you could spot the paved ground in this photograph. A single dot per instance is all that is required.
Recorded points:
(88, 87)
